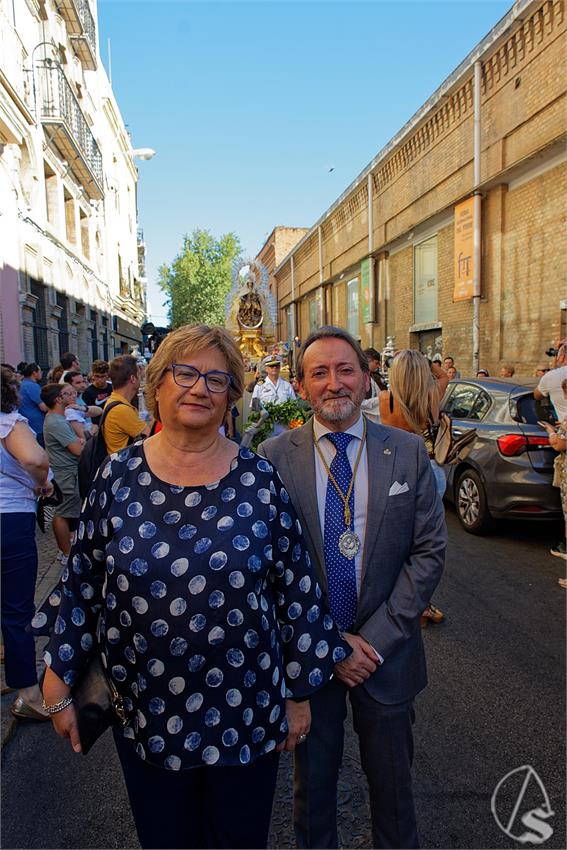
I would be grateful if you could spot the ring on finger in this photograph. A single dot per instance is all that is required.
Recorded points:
(301, 738)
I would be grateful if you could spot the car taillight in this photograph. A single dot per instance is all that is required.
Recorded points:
(514, 444)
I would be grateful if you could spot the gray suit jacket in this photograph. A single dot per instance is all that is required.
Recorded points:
(404, 546)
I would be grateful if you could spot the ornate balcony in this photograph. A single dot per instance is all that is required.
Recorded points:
(13, 61)
(67, 128)
(82, 30)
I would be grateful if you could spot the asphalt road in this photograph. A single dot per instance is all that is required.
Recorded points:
(495, 702)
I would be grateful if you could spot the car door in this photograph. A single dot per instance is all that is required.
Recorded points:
(468, 405)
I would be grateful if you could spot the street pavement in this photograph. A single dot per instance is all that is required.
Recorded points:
(495, 702)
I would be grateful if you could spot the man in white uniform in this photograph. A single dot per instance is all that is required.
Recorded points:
(274, 390)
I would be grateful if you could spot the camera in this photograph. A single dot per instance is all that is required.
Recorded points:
(552, 352)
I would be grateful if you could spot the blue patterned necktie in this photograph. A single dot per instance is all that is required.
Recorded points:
(341, 572)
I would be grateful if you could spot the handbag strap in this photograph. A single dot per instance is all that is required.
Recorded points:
(107, 408)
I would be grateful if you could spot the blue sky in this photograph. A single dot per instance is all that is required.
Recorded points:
(249, 104)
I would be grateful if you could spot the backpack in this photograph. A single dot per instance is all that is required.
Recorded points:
(448, 449)
(93, 454)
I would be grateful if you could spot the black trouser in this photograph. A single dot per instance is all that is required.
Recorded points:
(201, 807)
(386, 753)
(19, 573)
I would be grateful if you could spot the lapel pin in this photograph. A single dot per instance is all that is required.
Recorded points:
(387, 452)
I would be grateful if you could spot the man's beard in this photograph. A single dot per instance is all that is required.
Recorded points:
(339, 407)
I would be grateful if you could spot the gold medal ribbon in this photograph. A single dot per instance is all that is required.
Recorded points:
(344, 499)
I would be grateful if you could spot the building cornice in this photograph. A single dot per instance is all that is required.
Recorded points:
(489, 43)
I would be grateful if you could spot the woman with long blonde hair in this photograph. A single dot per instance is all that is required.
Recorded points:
(417, 386)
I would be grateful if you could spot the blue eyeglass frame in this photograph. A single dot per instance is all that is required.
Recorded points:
(204, 375)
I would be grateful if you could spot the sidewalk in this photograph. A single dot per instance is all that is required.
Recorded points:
(48, 573)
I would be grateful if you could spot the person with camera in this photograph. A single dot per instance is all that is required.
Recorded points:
(550, 385)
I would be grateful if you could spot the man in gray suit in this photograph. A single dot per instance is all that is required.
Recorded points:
(375, 529)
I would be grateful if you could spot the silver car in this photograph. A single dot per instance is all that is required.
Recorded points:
(509, 470)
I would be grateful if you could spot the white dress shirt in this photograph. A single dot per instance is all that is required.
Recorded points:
(360, 482)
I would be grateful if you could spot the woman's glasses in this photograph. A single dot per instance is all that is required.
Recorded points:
(187, 376)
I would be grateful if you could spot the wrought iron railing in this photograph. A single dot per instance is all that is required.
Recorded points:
(87, 22)
(58, 103)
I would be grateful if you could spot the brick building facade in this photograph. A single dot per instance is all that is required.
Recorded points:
(277, 246)
(389, 239)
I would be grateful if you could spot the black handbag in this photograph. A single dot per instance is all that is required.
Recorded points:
(55, 499)
(97, 703)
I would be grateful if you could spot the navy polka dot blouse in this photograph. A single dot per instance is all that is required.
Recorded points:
(210, 612)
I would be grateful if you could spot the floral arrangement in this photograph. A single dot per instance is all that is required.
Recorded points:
(290, 414)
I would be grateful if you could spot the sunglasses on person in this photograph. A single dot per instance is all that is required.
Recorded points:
(187, 376)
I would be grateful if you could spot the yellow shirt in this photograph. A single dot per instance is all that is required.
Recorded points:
(121, 423)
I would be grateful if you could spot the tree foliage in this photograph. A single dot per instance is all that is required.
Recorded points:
(199, 278)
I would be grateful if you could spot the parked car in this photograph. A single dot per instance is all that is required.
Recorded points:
(509, 469)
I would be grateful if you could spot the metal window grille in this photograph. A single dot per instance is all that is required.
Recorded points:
(94, 335)
(63, 323)
(40, 329)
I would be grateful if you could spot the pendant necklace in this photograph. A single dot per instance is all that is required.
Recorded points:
(349, 542)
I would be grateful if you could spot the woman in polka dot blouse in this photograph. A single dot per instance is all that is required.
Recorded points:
(213, 625)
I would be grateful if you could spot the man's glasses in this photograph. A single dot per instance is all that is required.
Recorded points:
(187, 376)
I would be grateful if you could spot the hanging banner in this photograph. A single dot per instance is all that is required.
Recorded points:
(464, 255)
(353, 307)
(316, 311)
(367, 288)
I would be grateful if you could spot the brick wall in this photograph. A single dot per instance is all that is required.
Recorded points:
(523, 116)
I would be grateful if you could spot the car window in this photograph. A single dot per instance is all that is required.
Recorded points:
(461, 402)
(527, 409)
(481, 406)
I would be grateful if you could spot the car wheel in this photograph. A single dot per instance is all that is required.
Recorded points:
(470, 502)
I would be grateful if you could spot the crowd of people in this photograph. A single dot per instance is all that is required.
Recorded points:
(236, 598)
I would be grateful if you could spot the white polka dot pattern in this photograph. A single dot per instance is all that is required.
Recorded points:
(211, 614)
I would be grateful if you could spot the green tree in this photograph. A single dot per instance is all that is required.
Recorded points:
(199, 278)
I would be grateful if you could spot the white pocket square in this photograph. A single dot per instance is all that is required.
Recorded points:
(398, 488)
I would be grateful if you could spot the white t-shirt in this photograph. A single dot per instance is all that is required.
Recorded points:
(74, 415)
(550, 385)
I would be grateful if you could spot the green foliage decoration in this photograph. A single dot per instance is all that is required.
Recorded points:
(290, 414)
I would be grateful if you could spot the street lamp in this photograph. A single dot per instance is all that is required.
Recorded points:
(144, 153)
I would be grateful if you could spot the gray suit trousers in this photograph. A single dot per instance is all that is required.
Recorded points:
(386, 753)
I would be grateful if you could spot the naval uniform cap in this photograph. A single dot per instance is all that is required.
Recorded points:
(271, 360)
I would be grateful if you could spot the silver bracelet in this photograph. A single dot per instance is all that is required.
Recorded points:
(58, 706)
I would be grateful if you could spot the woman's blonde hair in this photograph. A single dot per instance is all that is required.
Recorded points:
(414, 389)
(186, 340)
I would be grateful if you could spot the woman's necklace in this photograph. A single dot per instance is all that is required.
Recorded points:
(349, 542)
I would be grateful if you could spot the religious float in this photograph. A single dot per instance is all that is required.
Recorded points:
(250, 309)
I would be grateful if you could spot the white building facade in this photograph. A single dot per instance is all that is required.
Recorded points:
(69, 272)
